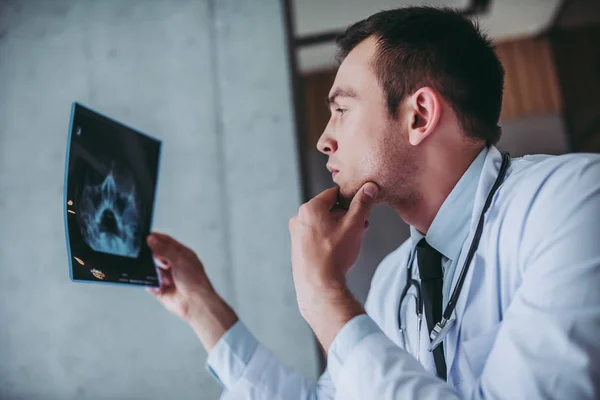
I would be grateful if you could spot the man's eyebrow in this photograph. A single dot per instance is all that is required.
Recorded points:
(339, 92)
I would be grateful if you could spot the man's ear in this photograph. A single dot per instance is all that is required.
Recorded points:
(424, 110)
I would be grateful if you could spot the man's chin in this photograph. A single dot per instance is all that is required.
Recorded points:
(345, 197)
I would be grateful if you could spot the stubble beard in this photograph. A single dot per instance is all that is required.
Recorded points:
(395, 171)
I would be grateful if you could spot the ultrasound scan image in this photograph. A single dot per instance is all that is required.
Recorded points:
(110, 183)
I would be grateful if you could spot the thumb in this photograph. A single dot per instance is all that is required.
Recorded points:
(362, 203)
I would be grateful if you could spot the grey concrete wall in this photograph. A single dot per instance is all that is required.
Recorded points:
(263, 185)
(185, 71)
(544, 134)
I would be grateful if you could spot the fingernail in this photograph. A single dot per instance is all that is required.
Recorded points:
(153, 239)
(371, 190)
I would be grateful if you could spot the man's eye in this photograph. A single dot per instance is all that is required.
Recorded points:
(341, 111)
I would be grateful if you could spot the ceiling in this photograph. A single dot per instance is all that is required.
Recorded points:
(505, 19)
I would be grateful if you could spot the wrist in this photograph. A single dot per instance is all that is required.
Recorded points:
(334, 307)
(210, 317)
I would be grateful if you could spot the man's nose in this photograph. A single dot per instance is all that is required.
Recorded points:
(326, 144)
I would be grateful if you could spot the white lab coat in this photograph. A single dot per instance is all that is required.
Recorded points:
(528, 317)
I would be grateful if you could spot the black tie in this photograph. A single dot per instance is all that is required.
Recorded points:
(430, 269)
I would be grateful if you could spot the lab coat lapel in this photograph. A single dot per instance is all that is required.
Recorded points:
(489, 173)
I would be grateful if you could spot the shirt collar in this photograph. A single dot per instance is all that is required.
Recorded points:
(450, 226)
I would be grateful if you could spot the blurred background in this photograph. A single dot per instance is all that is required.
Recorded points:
(235, 90)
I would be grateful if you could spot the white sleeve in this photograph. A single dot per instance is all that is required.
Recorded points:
(247, 370)
(365, 364)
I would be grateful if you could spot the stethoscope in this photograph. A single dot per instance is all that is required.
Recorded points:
(441, 329)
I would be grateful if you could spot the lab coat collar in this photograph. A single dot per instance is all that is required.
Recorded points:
(450, 226)
(489, 173)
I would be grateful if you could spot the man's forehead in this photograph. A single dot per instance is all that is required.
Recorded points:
(356, 69)
(363, 52)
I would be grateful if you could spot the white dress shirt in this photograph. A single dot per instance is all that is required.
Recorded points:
(528, 316)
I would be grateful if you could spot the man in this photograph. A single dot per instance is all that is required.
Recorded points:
(414, 112)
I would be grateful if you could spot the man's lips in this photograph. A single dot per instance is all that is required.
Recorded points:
(333, 171)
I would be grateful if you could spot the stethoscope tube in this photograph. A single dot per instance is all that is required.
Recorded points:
(449, 309)
(476, 238)
(418, 308)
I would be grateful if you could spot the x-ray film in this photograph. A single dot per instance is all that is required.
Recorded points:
(111, 174)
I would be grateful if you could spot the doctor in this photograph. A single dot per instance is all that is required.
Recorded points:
(497, 292)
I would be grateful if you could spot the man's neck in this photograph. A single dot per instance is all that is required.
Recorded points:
(436, 184)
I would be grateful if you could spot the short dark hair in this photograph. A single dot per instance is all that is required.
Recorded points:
(439, 48)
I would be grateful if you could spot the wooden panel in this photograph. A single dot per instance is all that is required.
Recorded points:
(577, 55)
(531, 83)
(316, 87)
(511, 96)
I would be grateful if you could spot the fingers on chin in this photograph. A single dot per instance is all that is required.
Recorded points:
(338, 212)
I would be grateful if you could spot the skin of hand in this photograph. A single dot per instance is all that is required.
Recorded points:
(325, 244)
(186, 291)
